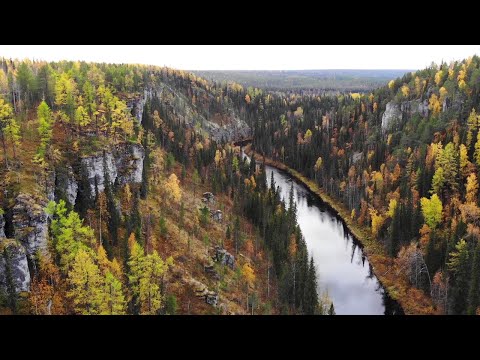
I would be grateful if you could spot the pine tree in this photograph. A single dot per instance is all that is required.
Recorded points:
(236, 234)
(459, 265)
(292, 207)
(331, 311)
(311, 295)
(84, 200)
(474, 292)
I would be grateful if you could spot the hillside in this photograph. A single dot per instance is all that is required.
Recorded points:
(122, 195)
(402, 163)
(105, 166)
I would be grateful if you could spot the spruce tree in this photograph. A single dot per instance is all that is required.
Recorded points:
(311, 295)
(473, 296)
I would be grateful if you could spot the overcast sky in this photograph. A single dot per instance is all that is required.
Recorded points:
(252, 57)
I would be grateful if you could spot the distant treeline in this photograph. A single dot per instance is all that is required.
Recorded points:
(332, 80)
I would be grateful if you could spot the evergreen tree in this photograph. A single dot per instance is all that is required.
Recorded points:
(236, 234)
(474, 293)
(311, 295)
(331, 311)
(459, 265)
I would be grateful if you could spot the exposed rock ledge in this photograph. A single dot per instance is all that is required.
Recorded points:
(30, 223)
(124, 165)
(13, 266)
(394, 111)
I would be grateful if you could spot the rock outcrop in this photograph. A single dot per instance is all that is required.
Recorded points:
(415, 106)
(202, 291)
(234, 130)
(392, 114)
(394, 111)
(72, 187)
(50, 187)
(129, 163)
(30, 223)
(124, 164)
(356, 157)
(224, 257)
(231, 127)
(66, 184)
(2, 227)
(13, 266)
(97, 166)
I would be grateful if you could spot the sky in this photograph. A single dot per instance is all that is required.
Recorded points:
(252, 57)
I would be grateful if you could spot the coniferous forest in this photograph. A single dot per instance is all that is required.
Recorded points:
(125, 189)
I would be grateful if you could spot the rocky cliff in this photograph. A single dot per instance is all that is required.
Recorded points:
(394, 111)
(124, 164)
(30, 223)
(13, 267)
(230, 127)
(2, 227)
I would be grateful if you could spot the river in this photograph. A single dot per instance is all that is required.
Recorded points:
(342, 268)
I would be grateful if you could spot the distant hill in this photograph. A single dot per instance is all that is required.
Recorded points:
(351, 80)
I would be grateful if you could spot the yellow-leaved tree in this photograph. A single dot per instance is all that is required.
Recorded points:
(308, 136)
(151, 298)
(392, 206)
(6, 117)
(145, 277)
(85, 284)
(434, 104)
(438, 77)
(172, 189)
(377, 221)
(471, 188)
(432, 210)
(249, 277)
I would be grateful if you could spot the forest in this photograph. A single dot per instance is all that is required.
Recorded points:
(104, 167)
(319, 81)
(403, 162)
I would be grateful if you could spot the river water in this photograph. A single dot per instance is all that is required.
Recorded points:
(342, 269)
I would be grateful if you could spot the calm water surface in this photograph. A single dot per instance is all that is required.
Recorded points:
(342, 269)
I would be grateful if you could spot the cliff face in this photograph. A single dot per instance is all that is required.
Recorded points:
(2, 227)
(30, 223)
(394, 111)
(13, 267)
(97, 166)
(228, 127)
(124, 164)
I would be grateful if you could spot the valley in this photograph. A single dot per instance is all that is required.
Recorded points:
(126, 189)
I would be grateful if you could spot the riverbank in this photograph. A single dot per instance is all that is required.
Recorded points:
(412, 300)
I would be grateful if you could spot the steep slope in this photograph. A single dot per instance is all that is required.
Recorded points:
(103, 207)
(402, 163)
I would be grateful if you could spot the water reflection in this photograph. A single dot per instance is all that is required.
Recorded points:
(342, 268)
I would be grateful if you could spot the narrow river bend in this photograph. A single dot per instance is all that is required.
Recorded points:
(342, 269)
